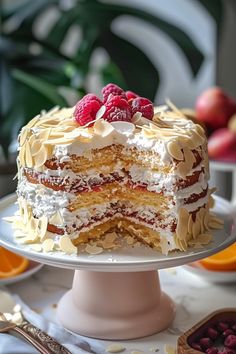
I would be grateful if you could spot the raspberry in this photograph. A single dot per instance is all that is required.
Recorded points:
(142, 105)
(212, 350)
(212, 333)
(222, 326)
(205, 342)
(117, 109)
(230, 341)
(227, 351)
(227, 332)
(112, 89)
(130, 95)
(86, 109)
(196, 346)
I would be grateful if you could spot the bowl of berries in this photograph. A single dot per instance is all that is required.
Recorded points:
(215, 334)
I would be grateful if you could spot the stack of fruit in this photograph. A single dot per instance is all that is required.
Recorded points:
(217, 111)
(218, 339)
(11, 264)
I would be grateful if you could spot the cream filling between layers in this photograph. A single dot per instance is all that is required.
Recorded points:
(153, 180)
(157, 182)
(167, 242)
(49, 204)
(84, 216)
(46, 201)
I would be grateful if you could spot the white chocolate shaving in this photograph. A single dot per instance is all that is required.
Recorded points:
(175, 150)
(56, 219)
(66, 245)
(48, 245)
(40, 157)
(43, 224)
(37, 247)
(115, 348)
(182, 226)
(100, 112)
(28, 155)
(103, 128)
(93, 249)
(9, 219)
(169, 349)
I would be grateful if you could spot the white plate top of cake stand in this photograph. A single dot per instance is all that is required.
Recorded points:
(128, 259)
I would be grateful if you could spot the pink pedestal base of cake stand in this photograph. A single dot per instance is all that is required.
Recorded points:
(116, 305)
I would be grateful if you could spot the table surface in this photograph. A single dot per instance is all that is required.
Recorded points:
(194, 298)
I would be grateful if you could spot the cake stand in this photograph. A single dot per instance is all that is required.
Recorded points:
(117, 294)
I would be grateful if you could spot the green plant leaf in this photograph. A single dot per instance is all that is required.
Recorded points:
(104, 13)
(19, 12)
(60, 28)
(87, 44)
(192, 53)
(26, 104)
(51, 70)
(101, 16)
(131, 64)
(215, 8)
(6, 87)
(9, 122)
(40, 86)
(32, 102)
(111, 73)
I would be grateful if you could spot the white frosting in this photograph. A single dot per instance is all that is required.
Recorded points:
(81, 180)
(141, 142)
(120, 135)
(193, 206)
(44, 201)
(157, 181)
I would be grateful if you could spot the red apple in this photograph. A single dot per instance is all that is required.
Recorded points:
(221, 143)
(230, 157)
(214, 108)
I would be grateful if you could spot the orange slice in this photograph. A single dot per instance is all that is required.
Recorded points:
(224, 260)
(11, 264)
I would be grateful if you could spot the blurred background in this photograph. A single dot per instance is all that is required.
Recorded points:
(54, 51)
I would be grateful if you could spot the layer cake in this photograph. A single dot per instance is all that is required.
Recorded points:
(143, 174)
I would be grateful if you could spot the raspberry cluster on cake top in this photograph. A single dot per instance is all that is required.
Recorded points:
(115, 164)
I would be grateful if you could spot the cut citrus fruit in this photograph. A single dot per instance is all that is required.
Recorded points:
(224, 260)
(11, 264)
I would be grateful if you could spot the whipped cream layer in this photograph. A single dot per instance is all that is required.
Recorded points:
(136, 175)
(46, 201)
(152, 181)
